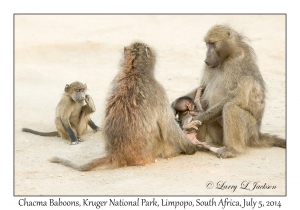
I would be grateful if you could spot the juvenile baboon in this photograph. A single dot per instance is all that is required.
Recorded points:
(71, 115)
(185, 108)
(233, 94)
(139, 124)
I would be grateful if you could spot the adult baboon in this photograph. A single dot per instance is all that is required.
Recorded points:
(233, 96)
(71, 115)
(139, 124)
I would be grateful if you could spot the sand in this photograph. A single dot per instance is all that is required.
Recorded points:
(54, 50)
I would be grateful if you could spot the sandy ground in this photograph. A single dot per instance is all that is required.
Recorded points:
(52, 51)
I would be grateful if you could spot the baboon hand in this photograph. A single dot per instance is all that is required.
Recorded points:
(192, 125)
(89, 101)
(97, 129)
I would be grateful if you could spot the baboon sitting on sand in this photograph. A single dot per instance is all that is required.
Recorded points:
(233, 95)
(71, 115)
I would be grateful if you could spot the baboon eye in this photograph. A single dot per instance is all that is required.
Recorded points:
(211, 44)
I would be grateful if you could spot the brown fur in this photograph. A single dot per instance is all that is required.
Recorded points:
(71, 115)
(139, 124)
(233, 96)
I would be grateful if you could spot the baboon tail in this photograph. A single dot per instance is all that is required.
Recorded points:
(54, 133)
(104, 161)
(271, 140)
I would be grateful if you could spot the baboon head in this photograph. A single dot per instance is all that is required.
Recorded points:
(220, 43)
(76, 91)
(138, 56)
(184, 103)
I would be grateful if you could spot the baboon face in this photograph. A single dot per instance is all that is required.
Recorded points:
(218, 42)
(78, 95)
(77, 91)
(184, 104)
(212, 59)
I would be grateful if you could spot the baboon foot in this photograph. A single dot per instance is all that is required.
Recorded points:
(139, 162)
(213, 149)
(207, 146)
(89, 101)
(80, 139)
(192, 136)
(202, 145)
(225, 152)
(192, 125)
(73, 143)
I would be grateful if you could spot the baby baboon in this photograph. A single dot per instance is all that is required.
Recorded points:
(71, 115)
(185, 108)
(139, 124)
(233, 94)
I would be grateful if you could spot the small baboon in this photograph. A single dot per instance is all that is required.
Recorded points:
(185, 108)
(71, 115)
(139, 125)
(233, 94)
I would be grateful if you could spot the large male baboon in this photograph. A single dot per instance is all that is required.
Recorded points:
(72, 115)
(139, 124)
(233, 96)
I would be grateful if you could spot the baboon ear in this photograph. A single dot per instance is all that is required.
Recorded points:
(147, 52)
(229, 34)
(85, 87)
(126, 51)
(67, 88)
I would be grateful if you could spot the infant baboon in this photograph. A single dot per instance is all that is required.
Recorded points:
(139, 124)
(71, 115)
(233, 94)
(185, 108)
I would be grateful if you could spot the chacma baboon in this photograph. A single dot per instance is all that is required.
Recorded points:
(185, 108)
(233, 94)
(71, 115)
(139, 124)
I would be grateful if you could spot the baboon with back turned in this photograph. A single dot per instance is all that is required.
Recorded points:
(72, 115)
(233, 96)
(139, 124)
